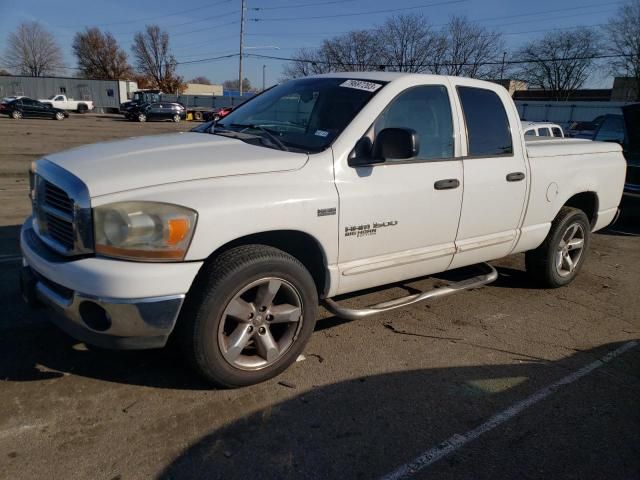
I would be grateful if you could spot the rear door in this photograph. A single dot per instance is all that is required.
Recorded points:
(30, 108)
(495, 175)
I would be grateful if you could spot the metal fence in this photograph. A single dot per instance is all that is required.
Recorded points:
(564, 113)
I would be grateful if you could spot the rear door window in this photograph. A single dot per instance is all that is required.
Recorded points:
(544, 132)
(556, 132)
(488, 129)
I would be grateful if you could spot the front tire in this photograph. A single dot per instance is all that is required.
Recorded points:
(248, 316)
(176, 118)
(58, 116)
(558, 260)
(142, 117)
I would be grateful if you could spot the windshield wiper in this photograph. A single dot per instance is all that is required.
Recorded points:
(271, 136)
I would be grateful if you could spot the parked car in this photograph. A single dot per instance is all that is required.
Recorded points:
(542, 129)
(625, 130)
(584, 129)
(69, 104)
(216, 114)
(156, 111)
(28, 108)
(226, 237)
(11, 98)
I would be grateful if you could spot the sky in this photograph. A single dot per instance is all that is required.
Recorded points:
(202, 29)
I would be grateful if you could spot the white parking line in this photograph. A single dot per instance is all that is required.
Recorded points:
(452, 444)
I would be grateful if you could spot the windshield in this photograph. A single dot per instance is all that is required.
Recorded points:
(305, 114)
(52, 97)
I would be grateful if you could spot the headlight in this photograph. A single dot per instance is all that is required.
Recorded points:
(147, 231)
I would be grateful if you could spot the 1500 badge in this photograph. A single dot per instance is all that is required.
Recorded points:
(367, 229)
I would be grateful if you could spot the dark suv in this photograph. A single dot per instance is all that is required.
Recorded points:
(156, 111)
(26, 107)
(625, 130)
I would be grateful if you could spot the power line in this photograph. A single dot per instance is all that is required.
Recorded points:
(208, 5)
(443, 64)
(544, 13)
(277, 34)
(378, 65)
(301, 5)
(390, 10)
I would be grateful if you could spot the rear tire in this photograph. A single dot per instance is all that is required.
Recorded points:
(142, 117)
(16, 115)
(558, 260)
(58, 116)
(197, 116)
(82, 108)
(248, 316)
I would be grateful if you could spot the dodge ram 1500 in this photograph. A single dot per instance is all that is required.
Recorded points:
(228, 236)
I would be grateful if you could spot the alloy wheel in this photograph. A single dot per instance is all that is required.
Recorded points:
(569, 251)
(260, 323)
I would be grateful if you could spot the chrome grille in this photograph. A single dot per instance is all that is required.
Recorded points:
(60, 230)
(61, 210)
(57, 198)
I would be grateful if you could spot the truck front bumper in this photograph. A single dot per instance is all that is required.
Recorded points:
(98, 313)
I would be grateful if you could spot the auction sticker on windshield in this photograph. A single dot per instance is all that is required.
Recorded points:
(361, 85)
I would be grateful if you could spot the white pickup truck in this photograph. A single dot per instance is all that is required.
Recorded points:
(65, 103)
(227, 237)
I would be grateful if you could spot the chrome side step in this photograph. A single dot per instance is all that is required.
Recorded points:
(474, 282)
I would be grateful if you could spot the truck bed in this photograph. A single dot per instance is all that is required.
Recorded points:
(538, 147)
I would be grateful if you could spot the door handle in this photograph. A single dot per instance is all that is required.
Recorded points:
(515, 177)
(447, 184)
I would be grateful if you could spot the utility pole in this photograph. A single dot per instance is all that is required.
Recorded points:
(504, 54)
(263, 76)
(241, 46)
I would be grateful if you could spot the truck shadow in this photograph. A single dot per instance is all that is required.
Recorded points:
(366, 427)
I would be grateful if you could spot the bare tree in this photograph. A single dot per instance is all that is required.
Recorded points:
(307, 61)
(201, 80)
(471, 50)
(560, 62)
(355, 51)
(623, 40)
(32, 50)
(155, 60)
(99, 55)
(408, 44)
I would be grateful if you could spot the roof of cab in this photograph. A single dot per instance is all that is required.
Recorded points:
(391, 76)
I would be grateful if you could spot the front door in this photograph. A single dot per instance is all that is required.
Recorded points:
(495, 177)
(398, 219)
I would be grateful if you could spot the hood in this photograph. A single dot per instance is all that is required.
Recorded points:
(115, 166)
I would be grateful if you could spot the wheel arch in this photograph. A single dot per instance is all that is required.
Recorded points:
(301, 245)
(588, 202)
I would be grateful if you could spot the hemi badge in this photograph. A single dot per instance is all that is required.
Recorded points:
(323, 212)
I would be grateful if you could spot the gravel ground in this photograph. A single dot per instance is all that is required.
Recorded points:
(369, 395)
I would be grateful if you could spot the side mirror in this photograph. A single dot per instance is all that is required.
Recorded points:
(396, 143)
(360, 156)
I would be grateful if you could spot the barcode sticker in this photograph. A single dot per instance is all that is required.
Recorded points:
(361, 85)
